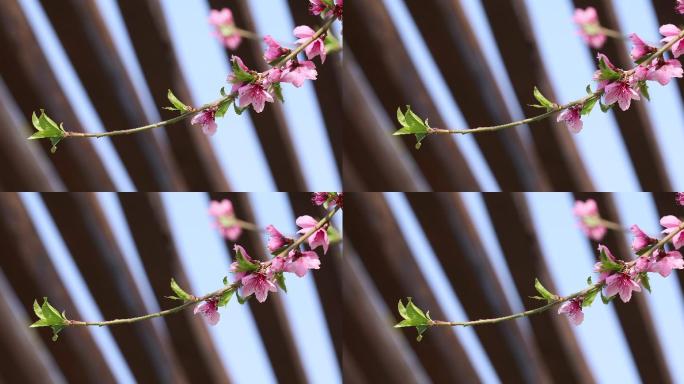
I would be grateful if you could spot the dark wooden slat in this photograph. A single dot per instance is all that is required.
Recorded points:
(91, 243)
(350, 177)
(152, 44)
(327, 278)
(25, 167)
(328, 86)
(31, 81)
(271, 319)
(554, 338)
(370, 338)
(513, 34)
(24, 360)
(453, 45)
(667, 15)
(31, 273)
(270, 125)
(635, 318)
(351, 373)
(378, 49)
(366, 146)
(456, 244)
(635, 125)
(376, 236)
(153, 238)
(87, 42)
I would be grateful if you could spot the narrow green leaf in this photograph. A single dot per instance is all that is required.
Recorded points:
(37, 310)
(645, 281)
(179, 105)
(223, 108)
(607, 73)
(240, 74)
(588, 106)
(607, 264)
(588, 89)
(643, 87)
(589, 298)
(225, 280)
(280, 279)
(180, 293)
(542, 99)
(243, 264)
(543, 291)
(225, 297)
(239, 110)
(589, 280)
(606, 300)
(278, 92)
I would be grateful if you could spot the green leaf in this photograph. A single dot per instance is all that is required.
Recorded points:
(605, 108)
(334, 235)
(607, 264)
(643, 87)
(606, 300)
(546, 103)
(411, 124)
(180, 293)
(588, 89)
(239, 110)
(243, 264)
(47, 129)
(544, 292)
(223, 91)
(413, 317)
(223, 108)
(49, 316)
(588, 106)
(645, 281)
(225, 280)
(241, 299)
(240, 74)
(225, 297)
(177, 104)
(332, 44)
(280, 279)
(589, 298)
(607, 73)
(589, 280)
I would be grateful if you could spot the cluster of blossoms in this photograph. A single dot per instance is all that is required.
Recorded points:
(619, 86)
(328, 199)
(255, 89)
(620, 278)
(258, 278)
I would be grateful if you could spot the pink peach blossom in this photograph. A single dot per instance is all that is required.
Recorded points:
(316, 48)
(296, 72)
(276, 240)
(259, 285)
(300, 262)
(572, 118)
(256, 95)
(671, 224)
(664, 71)
(666, 263)
(679, 198)
(622, 284)
(622, 93)
(680, 6)
(275, 50)
(670, 31)
(235, 267)
(207, 120)
(209, 309)
(640, 48)
(573, 310)
(590, 30)
(641, 239)
(590, 219)
(318, 238)
(225, 28)
(225, 217)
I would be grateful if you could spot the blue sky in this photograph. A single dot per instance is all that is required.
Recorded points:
(205, 67)
(570, 69)
(206, 262)
(570, 260)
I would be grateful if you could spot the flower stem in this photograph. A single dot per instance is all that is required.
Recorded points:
(559, 300)
(321, 223)
(559, 108)
(320, 32)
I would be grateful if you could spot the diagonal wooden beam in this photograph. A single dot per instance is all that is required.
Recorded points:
(514, 229)
(25, 168)
(376, 348)
(24, 359)
(635, 317)
(454, 47)
(456, 243)
(635, 125)
(271, 319)
(375, 235)
(85, 230)
(31, 273)
(190, 338)
(153, 46)
(89, 45)
(33, 85)
(271, 125)
(513, 34)
(378, 49)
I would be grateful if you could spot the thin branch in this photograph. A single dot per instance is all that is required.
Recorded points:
(560, 300)
(321, 223)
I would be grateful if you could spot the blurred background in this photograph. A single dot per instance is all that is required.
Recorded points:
(105, 256)
(466, 256)
(103, 65)
(467, 63)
